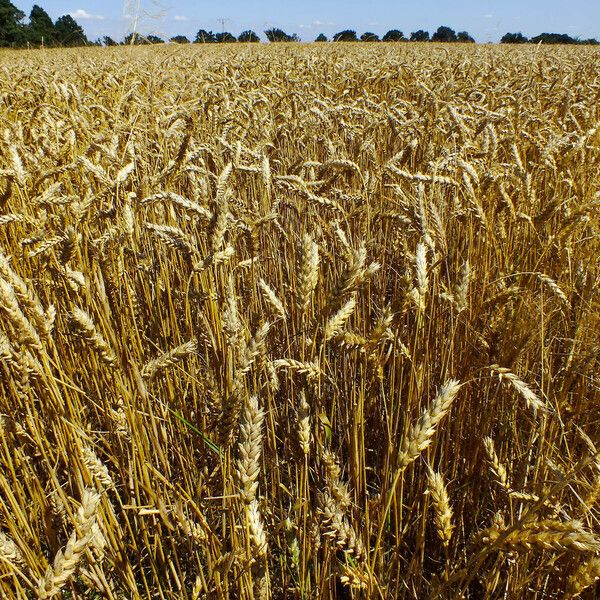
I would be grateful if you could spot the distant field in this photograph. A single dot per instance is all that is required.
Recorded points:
(297, 321)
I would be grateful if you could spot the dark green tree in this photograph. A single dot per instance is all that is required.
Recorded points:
(108, 41)
(368, 36)
(321, 38)
(590, 42)
(348, 35)
(137, 39)
(11, 28)
(68, 32)
(419, 36)
(131, 38)
(179, 39)
(248, 36)
(205, 37)
(513, 38)
(41, 28)
(444, 34)
(394, 35)
(553, 38)
(464, 37)
(278, 35)
(225, 38)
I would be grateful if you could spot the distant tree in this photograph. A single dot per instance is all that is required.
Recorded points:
(138, 39)
(278, 35)
(41, 28)
(444, 34)
(248, 36)
(553, 38)
(108, 41)
(419, 36)
(205, 37)
(12, 32)
(394, 35)
(321, 38)
(179, 39)
(590, 42)
(369, 37)
(68, 32)
(348, 35)
(464, 37)
(131, 38)
(513, 38)
(224, 38)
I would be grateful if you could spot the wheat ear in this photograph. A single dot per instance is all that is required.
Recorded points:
(524, 390)
(26, 332)
(272, 298)
(441, 505)
(249, 449)
(421, 432)
(9, 551)
(584, 576)
(304, 429)
(84, 326)
(65, 562)
(168, 359)
(548, 534)
(338, 320)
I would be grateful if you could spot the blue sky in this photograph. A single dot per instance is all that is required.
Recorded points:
(486, 20)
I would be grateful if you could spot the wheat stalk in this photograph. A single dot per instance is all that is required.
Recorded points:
(308, 272)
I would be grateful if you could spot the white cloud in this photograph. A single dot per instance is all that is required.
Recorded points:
(84, 15)
(180, 18)
(488, 16)
(317, 23)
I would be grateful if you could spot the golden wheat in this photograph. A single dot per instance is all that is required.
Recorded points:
(232, 277)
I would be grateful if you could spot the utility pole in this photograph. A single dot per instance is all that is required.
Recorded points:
(222, 20)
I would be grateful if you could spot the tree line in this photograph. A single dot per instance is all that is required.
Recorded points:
(545, 38)
(40, 30)
(442, 34)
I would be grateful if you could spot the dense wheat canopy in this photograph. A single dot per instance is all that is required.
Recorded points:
(300, 322)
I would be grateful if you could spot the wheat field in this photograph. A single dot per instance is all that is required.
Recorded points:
(298, 321)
